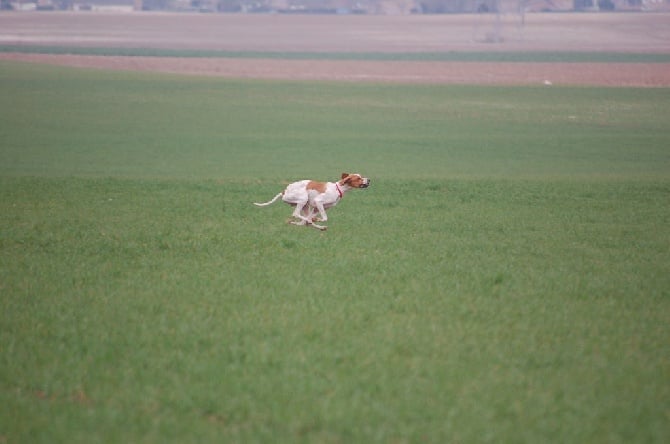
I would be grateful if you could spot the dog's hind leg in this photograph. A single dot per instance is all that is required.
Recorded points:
(298, 213)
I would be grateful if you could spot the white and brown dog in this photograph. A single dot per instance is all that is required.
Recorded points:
(309, 196)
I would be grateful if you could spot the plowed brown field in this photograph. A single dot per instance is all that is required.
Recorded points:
(636, 33)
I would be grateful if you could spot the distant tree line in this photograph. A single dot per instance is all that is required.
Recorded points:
(343, 6)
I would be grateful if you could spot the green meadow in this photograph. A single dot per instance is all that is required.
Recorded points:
(505, 279)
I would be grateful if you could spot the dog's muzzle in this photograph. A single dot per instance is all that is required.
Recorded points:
(366, 183)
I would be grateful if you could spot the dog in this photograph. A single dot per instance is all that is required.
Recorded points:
(309, 197)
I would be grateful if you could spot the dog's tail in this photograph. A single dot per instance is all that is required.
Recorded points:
(265, 204)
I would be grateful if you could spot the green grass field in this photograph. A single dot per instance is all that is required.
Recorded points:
(506, 278)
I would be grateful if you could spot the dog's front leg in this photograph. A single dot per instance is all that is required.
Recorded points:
(309, 213)
(318, 206)
(319, 227)
(322, 212)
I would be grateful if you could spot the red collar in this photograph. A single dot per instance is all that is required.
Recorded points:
(338, 190)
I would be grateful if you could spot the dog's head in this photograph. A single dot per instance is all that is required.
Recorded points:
(355, 180)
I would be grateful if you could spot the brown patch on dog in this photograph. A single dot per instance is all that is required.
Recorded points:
(317, 186)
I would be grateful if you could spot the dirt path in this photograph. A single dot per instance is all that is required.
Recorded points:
(604, 74)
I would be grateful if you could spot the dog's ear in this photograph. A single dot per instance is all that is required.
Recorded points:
(344, 175)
